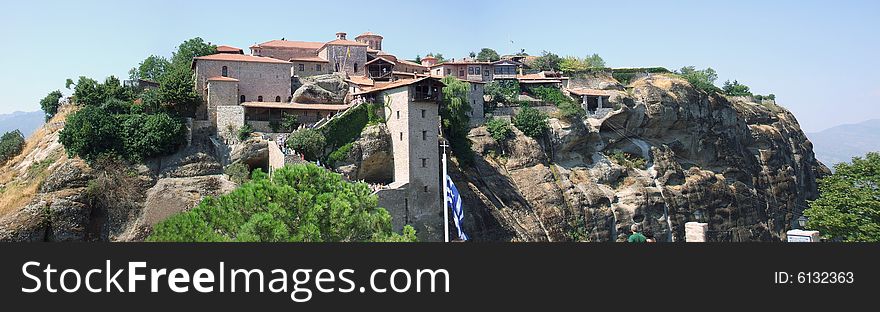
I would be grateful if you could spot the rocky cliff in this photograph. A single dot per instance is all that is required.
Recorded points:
(745, 168)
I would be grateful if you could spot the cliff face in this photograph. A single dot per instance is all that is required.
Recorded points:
(746, 167)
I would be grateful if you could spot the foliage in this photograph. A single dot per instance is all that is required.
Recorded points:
(547, 61)
(499, 129)
(275, 125)
(347, 128)
(115, 187)
(625, 75)
(455, 117)
(238, 172)
(49, 104)
(152, 68)
(289, 123)
(770, 96)
(245, 132)
(531, 121)
(116, 106)
(503, 91)
(735, 89)
(339, 154)
(702, 79)
(488, 55)
(574, 64)
(568, 109)
(88, 92)
(186, 51)
(438, 56)
(177, 92)
(91, 132)
(309, 142)
(299, 203)
(150, 135)
(627, 160)
(848, 207)
(11, 144)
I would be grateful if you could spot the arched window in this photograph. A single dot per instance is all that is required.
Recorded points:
(241, 99)
(224, 72)
(278, 98)
(260, 98)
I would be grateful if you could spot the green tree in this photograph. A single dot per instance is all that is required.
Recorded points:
(177, 92)
(547, 61)
(189, 49)
(50, 103)
(438, 56)
(499, 129)
(735, 89)
(702, 79)
(112, 89)
(11, 144)
(309, 142)
(152, 68)
(455, 108)
(531, 121)
(86, 92)
(299, 203)
(503, 91)
(488, 55)
(848, 207)
(145, 136)
(91, 132)
(238, 172)
(595, 61)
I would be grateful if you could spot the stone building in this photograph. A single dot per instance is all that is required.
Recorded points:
(285, 50)
(258, 79)
(412, 115)
(373, 41)
(595, 102)
(345, 55)
(309, 66)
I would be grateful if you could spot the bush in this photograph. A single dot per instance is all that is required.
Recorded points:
(11, 144)
(91, 132)
(245, 132)
(625, 75)
(289, 123)
(339, 154)
(299, 203)
(735, 89)
(568, 109)
(702, 79)
(275, 125)
(499, 129)
(503, 91)
(627, 160)
(848, 207)
(308, 142)
(50, 103)
(347, 128)
(145, 136)
(238, 172)
(531, 122)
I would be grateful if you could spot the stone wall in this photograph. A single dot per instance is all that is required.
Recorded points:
(346, 56)
(255, 78)
(284, 54)
(229, 116)
(309, 69)
(220, 93)
(475, 98)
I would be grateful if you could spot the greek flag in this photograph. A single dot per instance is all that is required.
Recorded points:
(453, 199)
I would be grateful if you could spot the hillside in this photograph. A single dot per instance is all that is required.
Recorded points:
(842, 143)
(26, 122)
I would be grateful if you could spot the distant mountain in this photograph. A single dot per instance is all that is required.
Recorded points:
(26, 122)
(841, 143)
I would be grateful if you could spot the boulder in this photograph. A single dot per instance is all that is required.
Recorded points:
(322, 89)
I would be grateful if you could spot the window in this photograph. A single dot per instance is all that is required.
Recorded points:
(461, 72)
(337, 66)
(355, 67)
(398, 114)
(318, 67)
(224, 71)
(470, 70)
(241, 99)
(278, 98)
(425, 187)
(476, 70)
(401, 136)
(497, 70)
(423, 113)
(302, 67)
(424, 165)
(424, 135)
(260, 98)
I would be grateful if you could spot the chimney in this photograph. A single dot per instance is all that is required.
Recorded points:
(340, 35)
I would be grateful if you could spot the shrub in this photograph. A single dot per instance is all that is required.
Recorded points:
(348, 127)
(91, 132)
(245, 132)
(531, 122)
(238, 172)
(568, 109)
(289, 123)
(309, 142)
(498, 128)
(702, 79)
(145, 135)
(735, 89)
(627, 160)
(275, 125)
(11, 144)
(50, 103)
(339, 154)
(299, 203)
(503, 91)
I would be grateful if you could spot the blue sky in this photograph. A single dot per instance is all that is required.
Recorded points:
(820, 58)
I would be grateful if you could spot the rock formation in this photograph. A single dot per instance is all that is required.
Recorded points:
(322, 89)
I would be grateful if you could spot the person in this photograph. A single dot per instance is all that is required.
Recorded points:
(649, 236)
(636, 236)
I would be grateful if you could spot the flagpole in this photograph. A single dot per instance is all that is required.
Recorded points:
(445, 199)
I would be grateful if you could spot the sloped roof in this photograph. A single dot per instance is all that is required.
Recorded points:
(368, 34)
(381, 86)
(221, 78)
(228, 49)
(380, 59)
(289, 44)
(239, 58)
(589, 92)
(301, 106)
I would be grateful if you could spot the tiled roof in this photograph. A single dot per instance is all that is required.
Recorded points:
(309, 59)
(227, 49)
(345, 42)
(239, 58)
(324, 107)
(380, 86)
(369, 34)
(590, 92)
(411, 63)
(221, 78)
(289, 44)
(360, 80)
(380, 58)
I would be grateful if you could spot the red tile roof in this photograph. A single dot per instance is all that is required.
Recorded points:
(228, 49)
(380, 58)
(289, 44)
(380, 86)
(239, 58)
(344, 42)
(221, 78)
(309, 59)
(590, 92)
(324, 107)
(360, 80)
(368, 34)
